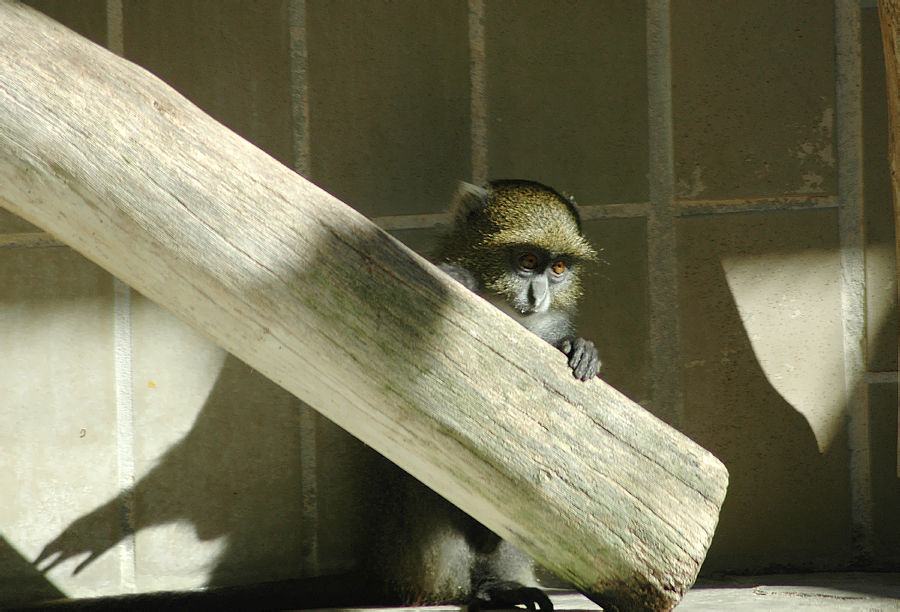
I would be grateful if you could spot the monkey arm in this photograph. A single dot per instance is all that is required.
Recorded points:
(460, 275)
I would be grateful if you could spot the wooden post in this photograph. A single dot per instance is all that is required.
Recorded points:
(125, 170)
(889, 13)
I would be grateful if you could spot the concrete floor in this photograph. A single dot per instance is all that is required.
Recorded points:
(862, 592)
(831, 592)
(856, 592)
(848, 592)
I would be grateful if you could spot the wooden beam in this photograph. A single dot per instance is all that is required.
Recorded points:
(122, 168)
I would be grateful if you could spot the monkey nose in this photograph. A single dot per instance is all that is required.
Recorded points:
(539, 294)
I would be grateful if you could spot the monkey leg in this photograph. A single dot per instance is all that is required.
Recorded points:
(502, 575)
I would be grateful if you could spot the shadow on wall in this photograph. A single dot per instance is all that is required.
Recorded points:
(755, 332)
(234, 478)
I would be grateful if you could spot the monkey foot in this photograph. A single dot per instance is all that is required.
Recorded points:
(503, 595)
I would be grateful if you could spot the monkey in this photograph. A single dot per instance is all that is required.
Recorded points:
(519, 245)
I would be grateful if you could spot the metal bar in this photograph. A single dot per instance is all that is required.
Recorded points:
(478, 79)
(115, 42)
(688, 208)
(299, 87)
(402, 222)
(125, 433)
(853, 266)
(115, 30)
(882, 378)
(665, 363)
(614, 211)
(628, 210)
(300, 142)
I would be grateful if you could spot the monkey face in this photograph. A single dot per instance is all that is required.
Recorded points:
(540, 274)
(533, 280)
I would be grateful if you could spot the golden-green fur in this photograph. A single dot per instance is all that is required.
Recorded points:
(488, 233)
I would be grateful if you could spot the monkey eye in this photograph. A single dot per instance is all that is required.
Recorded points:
(559, 266)
(529, 261)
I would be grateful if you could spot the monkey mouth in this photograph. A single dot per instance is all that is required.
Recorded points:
(539, 307)
(515, 308)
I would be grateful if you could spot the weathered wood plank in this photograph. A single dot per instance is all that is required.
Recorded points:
(122, 168)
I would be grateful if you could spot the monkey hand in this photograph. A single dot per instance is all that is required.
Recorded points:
(460, 275)
(583, 357)
(506, 595)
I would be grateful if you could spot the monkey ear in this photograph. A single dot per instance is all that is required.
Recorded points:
(469, 199)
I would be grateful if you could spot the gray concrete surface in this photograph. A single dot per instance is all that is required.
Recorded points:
(832, 592)
(856, 592)
(845, 592)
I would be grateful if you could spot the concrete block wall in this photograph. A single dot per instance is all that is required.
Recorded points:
(724, 155)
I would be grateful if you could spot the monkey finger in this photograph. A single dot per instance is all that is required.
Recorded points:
(575, 351)
(541, 599)
(574, 363)
(588, 367)
(575, 355)
(590, 360)
(582, 350)
(583, 371)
